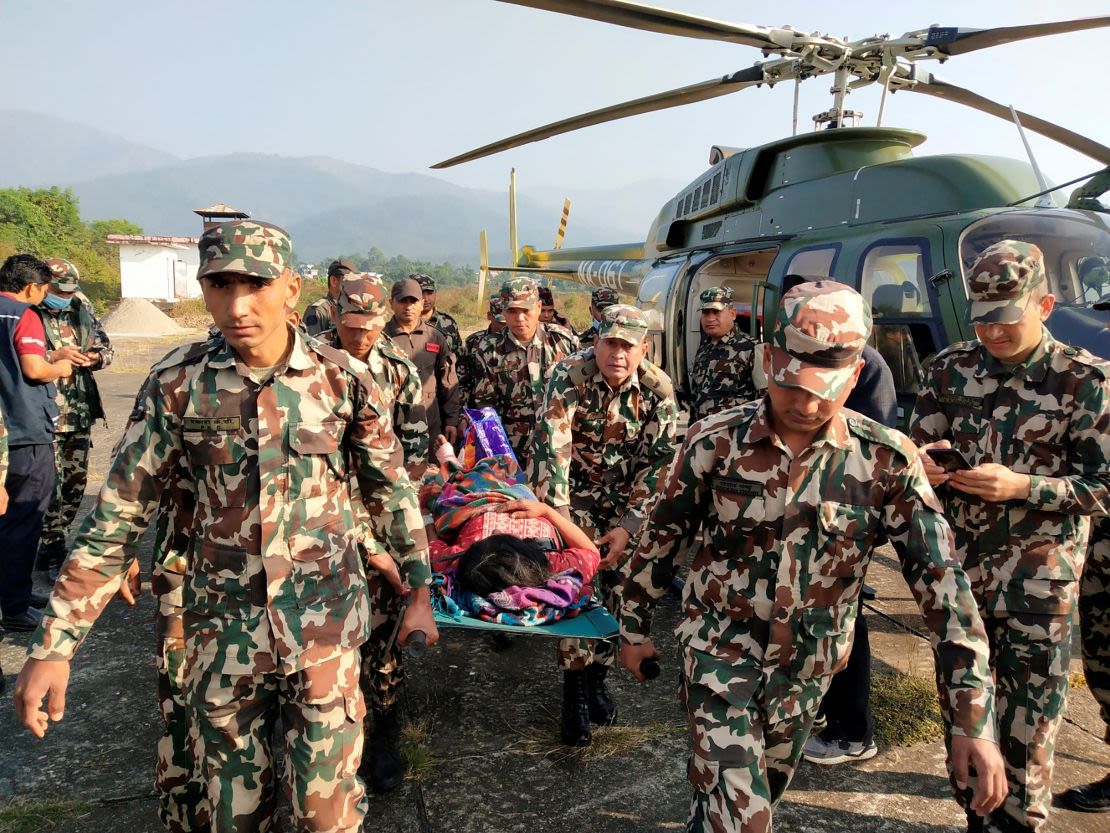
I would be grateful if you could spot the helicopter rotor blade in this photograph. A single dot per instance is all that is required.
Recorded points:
(950, 40)
(665, 21)
(938, 88)
(648, 104)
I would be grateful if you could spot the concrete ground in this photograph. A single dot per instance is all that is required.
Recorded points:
(483, 729)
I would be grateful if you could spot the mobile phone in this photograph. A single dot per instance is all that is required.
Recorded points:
(948, 459)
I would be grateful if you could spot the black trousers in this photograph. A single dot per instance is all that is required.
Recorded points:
(847, 703)
(30, 486)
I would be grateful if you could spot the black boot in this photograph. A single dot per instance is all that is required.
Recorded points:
(603, 711)
(1089, 798)
(576, 716)
(382, 762)
(50, 557)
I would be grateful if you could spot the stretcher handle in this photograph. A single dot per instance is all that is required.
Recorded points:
(417, 645)
(649, 668)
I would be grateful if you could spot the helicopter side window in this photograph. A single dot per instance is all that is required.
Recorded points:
(816, 262)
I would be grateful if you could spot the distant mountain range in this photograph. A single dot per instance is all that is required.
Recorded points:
(330, 207)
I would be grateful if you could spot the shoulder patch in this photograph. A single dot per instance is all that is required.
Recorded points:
(878, 433)
(727, 418)
(1081, 356)
(654, 379)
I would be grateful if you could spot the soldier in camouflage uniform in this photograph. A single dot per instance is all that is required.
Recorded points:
(602, 446)
(74, 333)
(319, 316)
(437, 318)
(722, 375)
(790, 492)
(599, 299)
(548, 313)
(363, 308)
(513, 366)
(1032, 417)
(264, 427)
(468, 363)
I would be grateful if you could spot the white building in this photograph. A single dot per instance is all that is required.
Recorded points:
(157, 268)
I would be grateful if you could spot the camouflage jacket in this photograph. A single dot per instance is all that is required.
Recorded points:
(722, 374)
(274, 581)
(771, 597)
(604, 449)
(1049, 418)
(78, 397)
(399, 385)
(468, 364)
(512, 377)
(319, 316)
(587, 336)
(449, 327)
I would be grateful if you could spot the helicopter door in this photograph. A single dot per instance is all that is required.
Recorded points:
(894, 278)
(654, 297)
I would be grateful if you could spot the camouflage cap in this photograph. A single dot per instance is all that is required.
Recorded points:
(624, 322)
(427, 282)
(362, 301)
(520, 293)
(1001, 279)
(497, 307)
(603, 297)
(341, 266)
(716, 297)
(406, 288)
(64, 275)
(820, 332)
(245, 247)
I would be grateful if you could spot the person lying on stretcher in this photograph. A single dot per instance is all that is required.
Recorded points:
(498, 553)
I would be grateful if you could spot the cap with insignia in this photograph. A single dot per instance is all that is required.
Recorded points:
(603, 297)
(820, 332)
(1001, 279)
(427, 282)
(520, 293)
(341, 267)
(362, 301)
(716, 297)
(406, 288)
(624, 322)
(245, 247)
(64, 275)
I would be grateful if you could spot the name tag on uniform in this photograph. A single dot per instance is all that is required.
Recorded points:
(431, 347)
(736, 486)
(965, 401)
(220, 425)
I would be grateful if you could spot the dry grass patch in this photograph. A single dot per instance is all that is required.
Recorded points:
(32, 817)
(608, 741)
(905, 709)
(416, 750)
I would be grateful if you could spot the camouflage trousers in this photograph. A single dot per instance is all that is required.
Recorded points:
(382, 673)
(576, 654)
(321, 711)
(741, 764)
(183, 804)
(1029, 655)
(1094, 619)
(71, 467)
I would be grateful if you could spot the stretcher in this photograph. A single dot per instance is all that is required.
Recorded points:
(591, 623)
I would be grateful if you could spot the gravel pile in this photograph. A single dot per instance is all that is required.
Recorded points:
(139, 317)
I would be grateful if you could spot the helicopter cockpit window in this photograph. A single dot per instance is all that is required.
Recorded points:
(1076, 250)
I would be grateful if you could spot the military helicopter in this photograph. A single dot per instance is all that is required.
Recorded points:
(846, 202)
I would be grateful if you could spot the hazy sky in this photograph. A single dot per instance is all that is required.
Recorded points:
(401, 84)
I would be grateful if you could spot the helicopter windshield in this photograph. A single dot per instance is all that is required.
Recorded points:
(1076, 248)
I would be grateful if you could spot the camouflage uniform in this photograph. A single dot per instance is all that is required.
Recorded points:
(512, 377)
(320, 315)
(1094, 618)
(1046, 417)
(442, 321)
(772, 594)
(78, 400)
(601, 454)
(274, 598)
(600, 300)
(722, 374)
(467, 366)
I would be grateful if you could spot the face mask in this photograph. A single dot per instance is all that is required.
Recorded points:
(56, 302)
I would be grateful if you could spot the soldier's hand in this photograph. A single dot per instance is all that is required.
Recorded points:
(419, 617)
(38, 679)
(984, 758)
(633, 655)
(3, 499)
(132, 586)
(935, 473)
(383, 562)
(993, 482)
(616, 540)
(72, 355)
